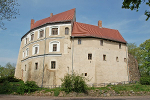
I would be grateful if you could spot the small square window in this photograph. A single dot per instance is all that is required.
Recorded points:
(41, 33)
(89, 56)
(104, 57)
(54, 31)
(53, 64)
(119, 45)
(101, 42)
(36, 66)
(54, 47)
(79, 41)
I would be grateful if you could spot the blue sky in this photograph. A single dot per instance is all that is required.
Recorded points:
(131, 24)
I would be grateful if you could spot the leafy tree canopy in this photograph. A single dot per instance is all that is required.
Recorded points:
(8, 11)
(135, 5)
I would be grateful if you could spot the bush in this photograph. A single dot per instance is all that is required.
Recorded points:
(9, 79)
(145, 80)
(28, 87)
(74, 83)
(5, 88)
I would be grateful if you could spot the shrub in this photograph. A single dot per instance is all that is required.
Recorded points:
(5, 88)
(145, 80)
(9, 79)
(74, 83)
(28, 87)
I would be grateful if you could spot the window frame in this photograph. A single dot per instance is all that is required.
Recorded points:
(53, 67)
(101, 42)
(33, 50)
(51, 46)
(119, 45)
(79, 41)
(104, 57)
(36, 65)
(27, 52)
(50, 30)
(42, 29)
(89, 56)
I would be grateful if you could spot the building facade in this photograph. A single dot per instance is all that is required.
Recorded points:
(58, 45)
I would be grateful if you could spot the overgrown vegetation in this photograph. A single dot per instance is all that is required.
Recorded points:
(74, 82)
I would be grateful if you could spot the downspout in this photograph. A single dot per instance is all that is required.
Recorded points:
(72, 52)
(44, 57)
(127, 62)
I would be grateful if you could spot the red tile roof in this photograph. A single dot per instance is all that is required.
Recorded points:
(64, 16)
(81, 29)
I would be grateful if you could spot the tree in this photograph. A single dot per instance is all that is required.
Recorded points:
(135, 5)
(145, 57)
(8, 70)
(8, 11)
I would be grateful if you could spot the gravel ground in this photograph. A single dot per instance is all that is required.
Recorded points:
(17, 97)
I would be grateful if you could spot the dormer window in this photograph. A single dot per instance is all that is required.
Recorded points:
(66, 31)
(54, 31)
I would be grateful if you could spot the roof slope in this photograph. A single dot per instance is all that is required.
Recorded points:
(81, 29)
(64, 16)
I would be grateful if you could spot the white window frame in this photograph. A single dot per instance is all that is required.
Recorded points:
(33, 50)
(27, 52)
(51, 46)
(56, 63)
(30, 36)
(50, 30)
(39, 32)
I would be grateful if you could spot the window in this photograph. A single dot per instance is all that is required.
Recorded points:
(119, 45)
(26, 40)
(125, 60)
(36, 66)
(89, 56)
(66, 31)
(85, 74)
(117, 59)
(32, 37)
(25, 68)
(79, 41)
(23, 54)
(27, 52)
(54, 31)
(104, 57)
(54, 47)
(53, 64)
(35, 49)
(41, 33)
(101, 42)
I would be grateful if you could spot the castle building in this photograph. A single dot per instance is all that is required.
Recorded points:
(58, 45)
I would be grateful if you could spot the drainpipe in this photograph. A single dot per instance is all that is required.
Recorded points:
(44, 57)
(72, 53)
(127, 62)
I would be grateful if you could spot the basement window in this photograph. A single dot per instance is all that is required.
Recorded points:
(104, 57)
(36, 66)
(89, 56)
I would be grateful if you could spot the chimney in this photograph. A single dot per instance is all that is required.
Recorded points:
(51, 15)
(100, 23)
(32, 23)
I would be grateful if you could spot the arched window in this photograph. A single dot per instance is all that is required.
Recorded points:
(35, 49)
(66, 31)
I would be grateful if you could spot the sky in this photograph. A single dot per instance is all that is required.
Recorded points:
(131, 24)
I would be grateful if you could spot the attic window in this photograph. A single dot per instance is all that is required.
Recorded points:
(54, 31)
(32, 37)
(41, 33)
(119, 45)
(101, 42)
(79, 41)
(66, 31)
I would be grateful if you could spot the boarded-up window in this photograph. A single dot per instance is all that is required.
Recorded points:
(66, 31)
(89, 56)
(53, 64)
(104, 57)
(41, 33)
(54, 47)
(79, 41)
(36, 50)
(32, 37)
(101, 42)
(36, 66)
(54, 31)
